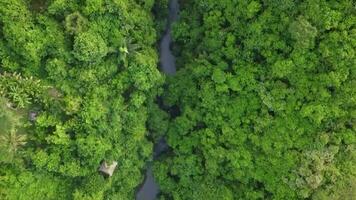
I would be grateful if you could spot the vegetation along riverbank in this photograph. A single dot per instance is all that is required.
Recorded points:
(244, 99)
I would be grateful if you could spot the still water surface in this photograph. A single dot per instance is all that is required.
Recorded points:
(150, 189)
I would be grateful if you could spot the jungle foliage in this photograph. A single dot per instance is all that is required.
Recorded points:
(75, 81)
(266, 91)
(262, 107)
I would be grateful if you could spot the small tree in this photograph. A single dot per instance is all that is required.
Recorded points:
(89, 47)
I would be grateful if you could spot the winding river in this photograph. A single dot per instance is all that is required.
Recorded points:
(150, 189)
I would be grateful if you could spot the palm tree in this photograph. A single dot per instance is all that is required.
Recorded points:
(10, 139)
(11, 142)
(8, 117)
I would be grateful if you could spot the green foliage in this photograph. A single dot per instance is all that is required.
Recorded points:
(158, 121)
(20, 91)
(89, 47)
(9, 119)
(11, 139)
(265, 91)
(218, 76)
(160, 10)
(262, 106)
(303, 33)
(75, 23)
(88, 71)
(27, 185)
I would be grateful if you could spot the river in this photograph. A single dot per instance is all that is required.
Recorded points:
(150, 189)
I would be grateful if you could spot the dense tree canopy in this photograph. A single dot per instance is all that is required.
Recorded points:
(262, 106)
(266, 95)
(86, 70)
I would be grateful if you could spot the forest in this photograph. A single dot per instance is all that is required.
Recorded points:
(262, 106)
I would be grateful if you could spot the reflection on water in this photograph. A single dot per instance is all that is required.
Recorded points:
(167, 60)
(149, 189)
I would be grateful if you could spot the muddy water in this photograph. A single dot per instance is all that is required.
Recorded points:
(150, 189)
